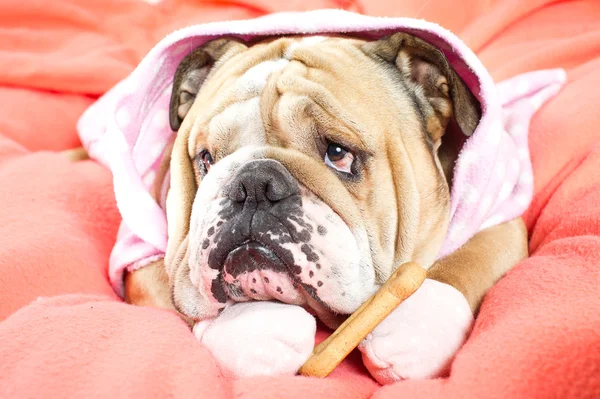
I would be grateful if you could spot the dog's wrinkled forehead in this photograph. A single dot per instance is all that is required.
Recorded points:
(281, 92)
(288, 92)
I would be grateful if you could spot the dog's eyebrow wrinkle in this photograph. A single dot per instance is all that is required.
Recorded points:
(254, 80)
(412, 95)
(306, 41)
(349, 127)
(268, 106)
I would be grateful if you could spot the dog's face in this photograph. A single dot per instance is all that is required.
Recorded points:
(306, 169)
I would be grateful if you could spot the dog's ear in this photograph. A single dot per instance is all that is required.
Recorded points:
(191, 74)
(442, 97)
(426, 68)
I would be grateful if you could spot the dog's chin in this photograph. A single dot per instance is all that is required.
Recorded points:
(255, 271)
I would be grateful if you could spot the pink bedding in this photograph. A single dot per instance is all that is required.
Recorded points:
(538, 333)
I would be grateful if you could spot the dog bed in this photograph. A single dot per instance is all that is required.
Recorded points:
(65, 333)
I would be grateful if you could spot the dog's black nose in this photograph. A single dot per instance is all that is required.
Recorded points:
(262, 180)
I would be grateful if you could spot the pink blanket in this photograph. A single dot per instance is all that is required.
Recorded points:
(538, 331)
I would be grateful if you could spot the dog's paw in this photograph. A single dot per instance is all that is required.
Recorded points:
(259, 338)
(420, 338)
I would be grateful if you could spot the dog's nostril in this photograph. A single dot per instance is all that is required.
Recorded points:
(276, 190)
(238, 192)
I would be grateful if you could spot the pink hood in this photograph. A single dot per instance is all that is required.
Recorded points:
(127, 129)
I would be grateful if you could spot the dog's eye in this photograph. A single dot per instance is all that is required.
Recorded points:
(339, 158)
(206, 160)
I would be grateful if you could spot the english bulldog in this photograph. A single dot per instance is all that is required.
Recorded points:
(303, 172)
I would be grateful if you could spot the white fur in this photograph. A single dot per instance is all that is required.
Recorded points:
(307, 41)
(343, 268)
(259, 338)
(243, 117)
(421, 337)
(205, 211)
(253, 81)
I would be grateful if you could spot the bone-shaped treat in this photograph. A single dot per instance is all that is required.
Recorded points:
(329, 353)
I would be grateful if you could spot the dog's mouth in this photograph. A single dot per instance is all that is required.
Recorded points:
(249, 256)
(254, 271)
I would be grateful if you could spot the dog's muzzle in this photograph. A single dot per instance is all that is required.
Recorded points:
(261, 212)
(261, 235)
